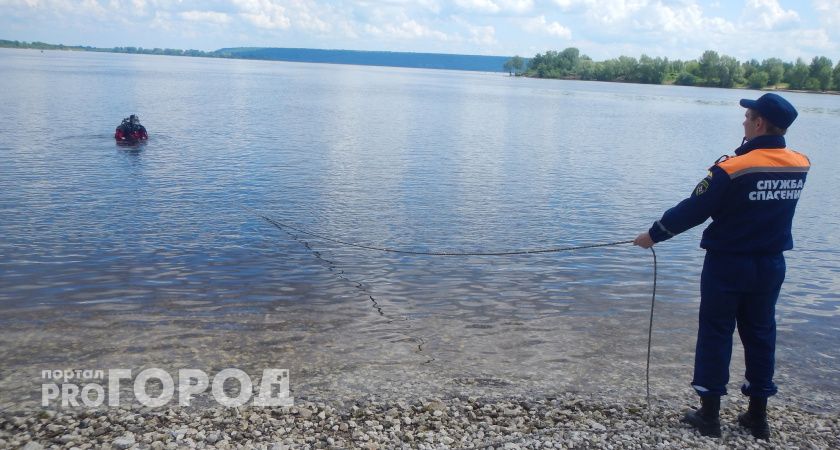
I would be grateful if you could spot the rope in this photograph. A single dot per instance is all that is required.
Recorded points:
(650, 331)
(284, 226)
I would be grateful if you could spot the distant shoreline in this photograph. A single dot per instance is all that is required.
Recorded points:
(439, 61)
(746, 88)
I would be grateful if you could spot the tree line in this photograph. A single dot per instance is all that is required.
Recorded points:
(40, 45)
(146, 51)
(711, 69)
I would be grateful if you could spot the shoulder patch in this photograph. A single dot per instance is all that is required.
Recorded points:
(702, 186)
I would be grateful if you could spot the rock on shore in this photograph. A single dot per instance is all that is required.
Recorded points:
(568, 421)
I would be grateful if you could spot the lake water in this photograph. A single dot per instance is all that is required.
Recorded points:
(153, 256)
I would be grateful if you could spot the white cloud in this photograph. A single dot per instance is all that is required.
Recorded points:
(816, 39)
(768, 14)
(264, 13)
(398, 23)
(344, 28)
(83, 7)
(829, 11)
(487, 6)
(305, 19)
(407, 29)
(139, 7)
(482, 35)
(517, 6)
(688, 18)
(496, 6)
(541, 25)
(606, 12)
(614, 11)
(432, 6)
(213, 17)
(162, 21)
(809, 43)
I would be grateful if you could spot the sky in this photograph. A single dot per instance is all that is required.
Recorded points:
(602, 29)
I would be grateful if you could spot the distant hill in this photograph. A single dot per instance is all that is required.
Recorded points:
(370, 58)
(365, 58)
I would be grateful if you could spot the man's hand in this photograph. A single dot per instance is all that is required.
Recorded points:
(643, 240)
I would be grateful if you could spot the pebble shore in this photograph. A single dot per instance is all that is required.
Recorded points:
(567, 421)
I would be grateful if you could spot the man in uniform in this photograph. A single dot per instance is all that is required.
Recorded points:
(751, 198)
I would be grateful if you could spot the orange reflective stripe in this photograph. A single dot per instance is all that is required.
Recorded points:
(766, 160)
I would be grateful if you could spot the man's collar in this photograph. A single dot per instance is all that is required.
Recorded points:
(765, 141)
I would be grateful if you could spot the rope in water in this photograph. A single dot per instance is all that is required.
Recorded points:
(281, 226)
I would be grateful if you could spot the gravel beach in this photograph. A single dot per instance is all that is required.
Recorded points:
(565, 421)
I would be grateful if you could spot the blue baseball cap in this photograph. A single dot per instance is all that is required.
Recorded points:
(773, 108)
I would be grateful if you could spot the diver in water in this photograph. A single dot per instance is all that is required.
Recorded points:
(131, 130)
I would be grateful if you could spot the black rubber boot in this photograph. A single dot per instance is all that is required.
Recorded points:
(706, 419)
(755, 419)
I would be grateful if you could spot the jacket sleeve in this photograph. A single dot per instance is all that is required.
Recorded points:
(694, 210)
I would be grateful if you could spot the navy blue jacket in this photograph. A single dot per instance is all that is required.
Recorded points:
(750, 197)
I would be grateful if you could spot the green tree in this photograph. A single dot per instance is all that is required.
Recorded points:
(508, 66)
(627, 69)
(797, 76)
(750, 67)
(607, 70)
(820, 69)
(693, 67)
(540, 64)
(710, 67)
(569, 59)
(518, 64)
(652, 70)
(775, 69)
(555, 64)
(758, 79)
(729, 72)
(677, 65)
(514, 65)
(837, 76)
(587, 68)
(686, 79)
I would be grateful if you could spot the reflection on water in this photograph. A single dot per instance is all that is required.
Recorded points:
(115, 256)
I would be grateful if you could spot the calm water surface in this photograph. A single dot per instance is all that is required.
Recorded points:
(153, 256)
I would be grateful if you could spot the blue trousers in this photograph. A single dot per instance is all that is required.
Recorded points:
(738, 290)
